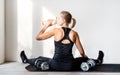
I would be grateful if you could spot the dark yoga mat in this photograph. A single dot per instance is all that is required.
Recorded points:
(100, 68)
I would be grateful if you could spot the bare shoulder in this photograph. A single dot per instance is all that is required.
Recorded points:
(57, 29)
(73, 32)
(73, 35)
(54, 29)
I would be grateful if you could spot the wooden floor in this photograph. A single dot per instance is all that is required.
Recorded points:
(15, 68)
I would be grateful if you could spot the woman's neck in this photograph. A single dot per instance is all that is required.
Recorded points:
(65, 25)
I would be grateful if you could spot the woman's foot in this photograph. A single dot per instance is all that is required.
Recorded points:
(23, 57)
(100, 57)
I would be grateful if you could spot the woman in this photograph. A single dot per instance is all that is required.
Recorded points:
(64, 39)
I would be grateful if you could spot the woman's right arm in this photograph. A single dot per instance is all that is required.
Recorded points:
(79, 45)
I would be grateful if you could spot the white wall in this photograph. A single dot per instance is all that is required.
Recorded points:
(1, 31)
(11, 30)
(97, 24)
(24, 26)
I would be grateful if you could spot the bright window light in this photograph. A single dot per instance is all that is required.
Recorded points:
(24, 22)
(48, 45)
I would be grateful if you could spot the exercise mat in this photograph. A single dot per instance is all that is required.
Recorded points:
(100, 68)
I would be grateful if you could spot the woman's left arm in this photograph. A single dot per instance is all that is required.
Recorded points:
(42, 35)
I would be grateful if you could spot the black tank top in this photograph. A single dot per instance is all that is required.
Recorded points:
(63, 52)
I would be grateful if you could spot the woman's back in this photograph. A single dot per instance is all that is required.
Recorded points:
(59, 34)
(63, 57)
(63, 46)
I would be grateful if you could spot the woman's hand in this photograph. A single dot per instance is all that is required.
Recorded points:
(48, 23)
(85, 56)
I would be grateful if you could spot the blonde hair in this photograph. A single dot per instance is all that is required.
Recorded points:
(73, 22)
(68, 18)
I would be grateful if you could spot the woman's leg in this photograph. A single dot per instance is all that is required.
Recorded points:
(40, 58)
(99, 59)
(23, 57)
(34, 61)
(78, 61)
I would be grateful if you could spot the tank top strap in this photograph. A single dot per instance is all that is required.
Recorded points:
(66, 32)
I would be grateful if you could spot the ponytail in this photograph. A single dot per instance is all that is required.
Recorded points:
(73, 22)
